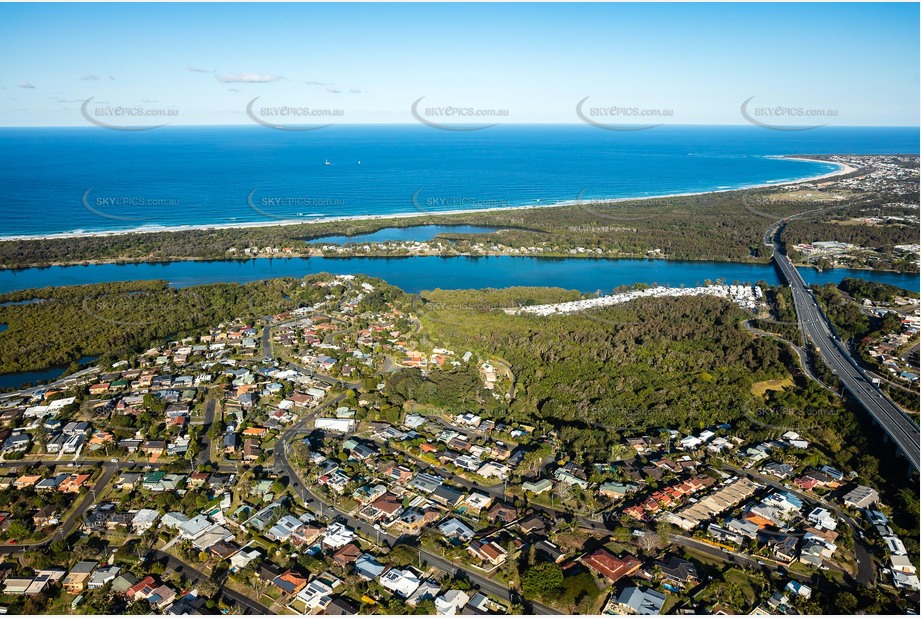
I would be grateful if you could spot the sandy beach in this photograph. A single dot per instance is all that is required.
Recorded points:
(842, 170)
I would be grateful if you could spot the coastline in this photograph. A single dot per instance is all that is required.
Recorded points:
(843, 169)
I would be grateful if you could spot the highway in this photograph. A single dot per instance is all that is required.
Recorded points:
(816, 328)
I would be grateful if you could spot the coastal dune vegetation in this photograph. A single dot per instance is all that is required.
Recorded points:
(714, 226)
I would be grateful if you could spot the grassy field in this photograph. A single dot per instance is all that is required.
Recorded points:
(760, 388)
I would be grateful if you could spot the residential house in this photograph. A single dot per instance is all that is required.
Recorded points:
(144, 520)
(454, 528)
(678, 571)
(610, 566)
(290, 582)
(451, 602)
(78, 577)
(860, 497)
(251, 450)
(367, 567)
(503, 512)
(401, 582)
(639, 601)
(489, 551)
(347, 554)
(537, 487)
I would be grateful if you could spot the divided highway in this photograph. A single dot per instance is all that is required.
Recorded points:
(815, 328)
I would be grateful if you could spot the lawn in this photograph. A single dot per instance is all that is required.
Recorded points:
(737, 577)
(760, 388)
(671, 600)
(702, 557)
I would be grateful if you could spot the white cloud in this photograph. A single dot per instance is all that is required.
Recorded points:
(25, 84)
(247, 78)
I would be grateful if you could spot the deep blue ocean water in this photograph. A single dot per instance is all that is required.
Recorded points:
(93, 179)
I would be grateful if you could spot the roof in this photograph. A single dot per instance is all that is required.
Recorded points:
(85, 566)
(678, 568)
(195, 526)
(609, 565)
(347, 554)
(368, 567)
(404, 582)
(447, 494)
(643, 601)
(340, 606)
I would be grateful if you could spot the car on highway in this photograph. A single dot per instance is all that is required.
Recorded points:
(114, 460)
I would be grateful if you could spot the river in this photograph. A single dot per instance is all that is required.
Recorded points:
(415, 274)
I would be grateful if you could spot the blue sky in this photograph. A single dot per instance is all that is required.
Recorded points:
(537, 61)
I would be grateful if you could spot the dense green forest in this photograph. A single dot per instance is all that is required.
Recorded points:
(676, 362)
(862, 289)
(117, 320)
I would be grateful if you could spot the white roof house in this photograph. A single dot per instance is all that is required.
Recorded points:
(173, 520)
(901, 564)
(194, 527)
(477, 501)
(451, 602)
(456, 528)
(414, 421)
(895, 545)
(316, 594)
(338, 425)
(822, 518)
(400, 581)
(906, 581)
(428, 589)
(284, 528)
(243, 557)
(337, 535)
(102, 576)
(144, 519)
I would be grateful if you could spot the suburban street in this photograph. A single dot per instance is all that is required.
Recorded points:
(187, 570)
(307, 497)
(866, 569)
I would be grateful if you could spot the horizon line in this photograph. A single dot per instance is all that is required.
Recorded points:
(506, 124)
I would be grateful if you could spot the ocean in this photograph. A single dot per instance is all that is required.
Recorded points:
(90, 179)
